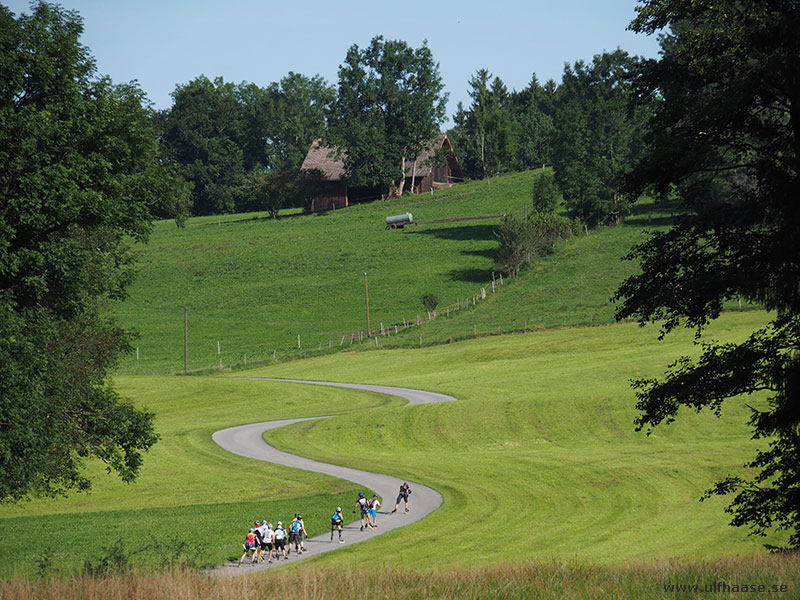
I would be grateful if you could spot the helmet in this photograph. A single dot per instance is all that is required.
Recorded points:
(338, 509)
(300, 517)
(258, 522)
(252, 530)
(269, 526)
(279, 523)
(360, 494)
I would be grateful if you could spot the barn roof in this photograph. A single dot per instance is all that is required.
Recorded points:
(323, 159)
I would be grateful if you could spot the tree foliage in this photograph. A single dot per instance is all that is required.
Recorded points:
(503, 131)
(724, 138)
(488, 132)
(596, 137)
(204, 136)
(545, 193)
(388, 109)
(220, 137)
(521, 240)
(77, 170)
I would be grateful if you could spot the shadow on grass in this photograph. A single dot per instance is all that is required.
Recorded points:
(460, 233)
(478, 276)
(652, 213)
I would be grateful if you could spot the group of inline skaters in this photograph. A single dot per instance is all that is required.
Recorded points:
(277, 543)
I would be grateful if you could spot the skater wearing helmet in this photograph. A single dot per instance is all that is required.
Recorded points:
(296, 532)
(337, 521)
(267, 541)
(405, 492)
(261, 532)
(280, 542)
(362, 505)
(250, 544)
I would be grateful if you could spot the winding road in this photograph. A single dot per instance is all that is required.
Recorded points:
(247, 440)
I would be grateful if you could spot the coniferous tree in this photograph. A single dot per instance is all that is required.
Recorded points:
(596, 137)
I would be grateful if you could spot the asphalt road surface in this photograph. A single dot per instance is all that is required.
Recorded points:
(247, 440)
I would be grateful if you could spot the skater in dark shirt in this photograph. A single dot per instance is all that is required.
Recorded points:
(405, 492)
(362, 505)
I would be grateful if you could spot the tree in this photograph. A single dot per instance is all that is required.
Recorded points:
(78, 158)
(596, 137)
(523, 240)
(283, 119)
(302, 105)
(516, 245)
(724, 138)
(545, 193)
(486, 133)
(430, 301)
(204, 136)
(533, 111)
(388, 109)
(272, 190)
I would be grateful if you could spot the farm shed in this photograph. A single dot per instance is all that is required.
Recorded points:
(331, 189)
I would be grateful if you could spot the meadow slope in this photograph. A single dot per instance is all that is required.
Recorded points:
(539, 452)
(253, 285)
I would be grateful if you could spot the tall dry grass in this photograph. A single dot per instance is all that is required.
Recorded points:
(545, 581)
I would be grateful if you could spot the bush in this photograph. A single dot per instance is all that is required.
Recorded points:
(522, 241)
(430, 301)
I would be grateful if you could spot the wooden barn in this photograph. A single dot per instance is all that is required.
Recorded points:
(331, 188)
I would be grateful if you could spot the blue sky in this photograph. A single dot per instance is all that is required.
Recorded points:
(161, 44)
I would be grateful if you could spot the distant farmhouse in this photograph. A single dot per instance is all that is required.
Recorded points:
(333, 190)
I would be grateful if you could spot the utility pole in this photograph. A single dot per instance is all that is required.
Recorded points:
(366, 293)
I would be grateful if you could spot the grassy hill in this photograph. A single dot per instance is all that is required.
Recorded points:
(542, 475)
(254, 284)
(538, 452)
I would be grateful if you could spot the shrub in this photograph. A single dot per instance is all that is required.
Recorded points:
(430, 301)
(522, 241)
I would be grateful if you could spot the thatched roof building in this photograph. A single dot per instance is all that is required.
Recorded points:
(326, 166)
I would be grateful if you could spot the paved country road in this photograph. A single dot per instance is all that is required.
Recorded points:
(247, 440)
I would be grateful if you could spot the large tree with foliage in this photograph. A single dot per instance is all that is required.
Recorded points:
(486, 133)
(596, 137)
(77, 169)
(203, 135)
(388, 110)
(725, 137)
(533, 108)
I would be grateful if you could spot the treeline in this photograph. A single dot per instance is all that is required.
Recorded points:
(585, 128)
(240, 146)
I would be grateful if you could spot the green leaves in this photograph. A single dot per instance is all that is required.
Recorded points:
(388, 109)
(596, 138)
(79, 157)
(521, 241)
(724, 139)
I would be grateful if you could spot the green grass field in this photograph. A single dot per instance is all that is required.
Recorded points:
(254, 284)
(189, 490)
(543, 476)
(537, 460)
